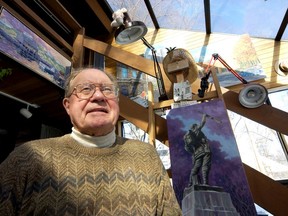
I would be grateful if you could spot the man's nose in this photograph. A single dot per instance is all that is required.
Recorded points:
(98, 93)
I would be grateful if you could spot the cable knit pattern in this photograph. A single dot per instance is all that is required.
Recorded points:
(58, 176)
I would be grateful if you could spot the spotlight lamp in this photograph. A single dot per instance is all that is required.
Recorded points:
(25, 112)
(129, 31)
(251, 96)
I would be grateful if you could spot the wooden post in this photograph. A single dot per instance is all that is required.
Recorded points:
(216, 83)
(151, 123)
(78, 50)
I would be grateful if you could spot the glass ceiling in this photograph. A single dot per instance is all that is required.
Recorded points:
(258, 18)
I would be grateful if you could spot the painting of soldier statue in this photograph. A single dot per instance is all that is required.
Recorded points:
(207, 172)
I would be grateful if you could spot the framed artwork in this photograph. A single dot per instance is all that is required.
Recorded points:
(18, 42)
(207, 171)
(239, 53)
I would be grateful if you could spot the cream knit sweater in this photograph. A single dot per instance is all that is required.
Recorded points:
(59, 176)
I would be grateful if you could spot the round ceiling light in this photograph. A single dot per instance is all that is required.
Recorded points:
(253, 95)
(126, 34)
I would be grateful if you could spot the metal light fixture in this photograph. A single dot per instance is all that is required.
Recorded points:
(129, 31)
(25, 112)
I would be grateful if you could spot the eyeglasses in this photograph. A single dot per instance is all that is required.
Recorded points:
(86, 90)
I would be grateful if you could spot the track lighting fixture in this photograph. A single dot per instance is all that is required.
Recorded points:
(25, 112)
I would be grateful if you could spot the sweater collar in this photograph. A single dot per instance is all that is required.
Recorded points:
(92, 141)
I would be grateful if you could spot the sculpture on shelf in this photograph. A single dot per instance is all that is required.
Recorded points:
(180, 61)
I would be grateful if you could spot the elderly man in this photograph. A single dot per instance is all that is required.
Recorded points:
(90, 171)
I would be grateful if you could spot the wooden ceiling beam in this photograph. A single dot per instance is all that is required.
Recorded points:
(100, 13)
(282, 27)
(266, 115)
(134, 61)
(60, 12)
(78, 54)
(266, 192)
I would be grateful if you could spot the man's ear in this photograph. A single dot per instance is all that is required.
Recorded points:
(66, 104)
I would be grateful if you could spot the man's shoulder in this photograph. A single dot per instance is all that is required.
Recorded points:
(43, 143)
(34, 150)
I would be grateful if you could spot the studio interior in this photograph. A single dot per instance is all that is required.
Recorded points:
(170, 58)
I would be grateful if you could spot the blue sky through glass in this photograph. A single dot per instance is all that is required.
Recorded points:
(258, 18)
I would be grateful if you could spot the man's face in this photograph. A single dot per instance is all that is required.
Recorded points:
(97, 115)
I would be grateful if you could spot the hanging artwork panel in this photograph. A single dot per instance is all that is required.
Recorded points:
(23, 45)
(207, 171)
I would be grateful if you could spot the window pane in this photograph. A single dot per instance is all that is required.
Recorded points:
(259, 147)
(232, 17)
(136, 9)
(279, 100)
(285, 35)
(246, 16)
(184, 15)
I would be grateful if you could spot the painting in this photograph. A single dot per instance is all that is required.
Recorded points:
(239, 53)
(18, 42)
(207, 171)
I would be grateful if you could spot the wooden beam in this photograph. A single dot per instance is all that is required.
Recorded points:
(282, 27)
(78, 50)
(216, 83)
(134, 61)
(60, 11)
(151, 114)
(266, 115)
(98, 10)
(266, 192)
(140, 117)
